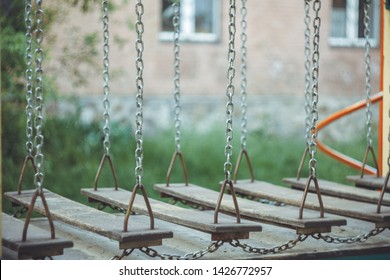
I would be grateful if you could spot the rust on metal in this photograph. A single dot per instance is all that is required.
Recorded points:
(131, 202)
(176, 155)
(30, 210)
(233, 194)
(317, 188)
(237, 167)
(26, 160)
(104, 158)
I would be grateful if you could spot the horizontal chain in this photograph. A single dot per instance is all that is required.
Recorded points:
(126, 253)
(196, 206)
(214, 246)
(273, 250)
(349, 240)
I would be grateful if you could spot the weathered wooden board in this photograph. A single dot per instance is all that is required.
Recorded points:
(91, 246)
(226, 228)
(369, 182)
(139, 233)
(286, 216)
(38, 244)
(339, 190)
(334, 205)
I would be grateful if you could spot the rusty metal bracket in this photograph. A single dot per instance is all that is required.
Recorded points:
(385, 184)
(309, 179)
(369, 149)
(131, 202)
(104, 158)
(26, 160)
(31, 209)
(238, 163)
(176, 155)
(233, 194)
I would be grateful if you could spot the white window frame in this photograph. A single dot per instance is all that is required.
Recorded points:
(187, 24)
(352, 27)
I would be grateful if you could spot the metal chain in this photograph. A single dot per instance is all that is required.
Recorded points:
(273, 250)
(314, 96)
(244, 92)
(38, 178)
(139, 46)
(367, 60)
(230, 89)
(307, 70)
(214, 246)
(196, 206)
(126, 253)
(29, 76)
(176, 79)
(349, 240)
(106, 78)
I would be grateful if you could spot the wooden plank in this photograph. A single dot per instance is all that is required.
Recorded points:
(38, 244)
(90, 246)
(225, 229)
(369, 182)
(91, 219)
(286, 216)
(334, 205)
(339, 190)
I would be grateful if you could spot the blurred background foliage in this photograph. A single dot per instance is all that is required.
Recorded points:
(73, 149)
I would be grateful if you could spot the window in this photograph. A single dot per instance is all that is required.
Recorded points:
(347, 23)
(199, 20)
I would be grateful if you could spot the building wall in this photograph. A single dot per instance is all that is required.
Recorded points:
(275, 54)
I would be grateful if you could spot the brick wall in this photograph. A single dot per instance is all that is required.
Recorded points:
(275, 54)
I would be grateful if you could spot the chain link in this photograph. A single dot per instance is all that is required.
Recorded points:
(230, 89)
(106, 78)
(176, 79)
(307, 70)
(349, 240)
(38, 178)
(214, 246)
(367, 60)
(29, 76)
(314, 96)
(126, 253)
(273, 250)
(244, 92)
(139, 46)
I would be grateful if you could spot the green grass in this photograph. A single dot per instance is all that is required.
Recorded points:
(73, 151)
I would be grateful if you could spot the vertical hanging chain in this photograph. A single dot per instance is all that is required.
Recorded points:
(106, 78)
(139, 46)
(38, 179)
(230, 89)
(367, 60)
(307, 86)
(244, 92)
(29, 76)
(176, 79)
(307, 70)
(314, 96)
